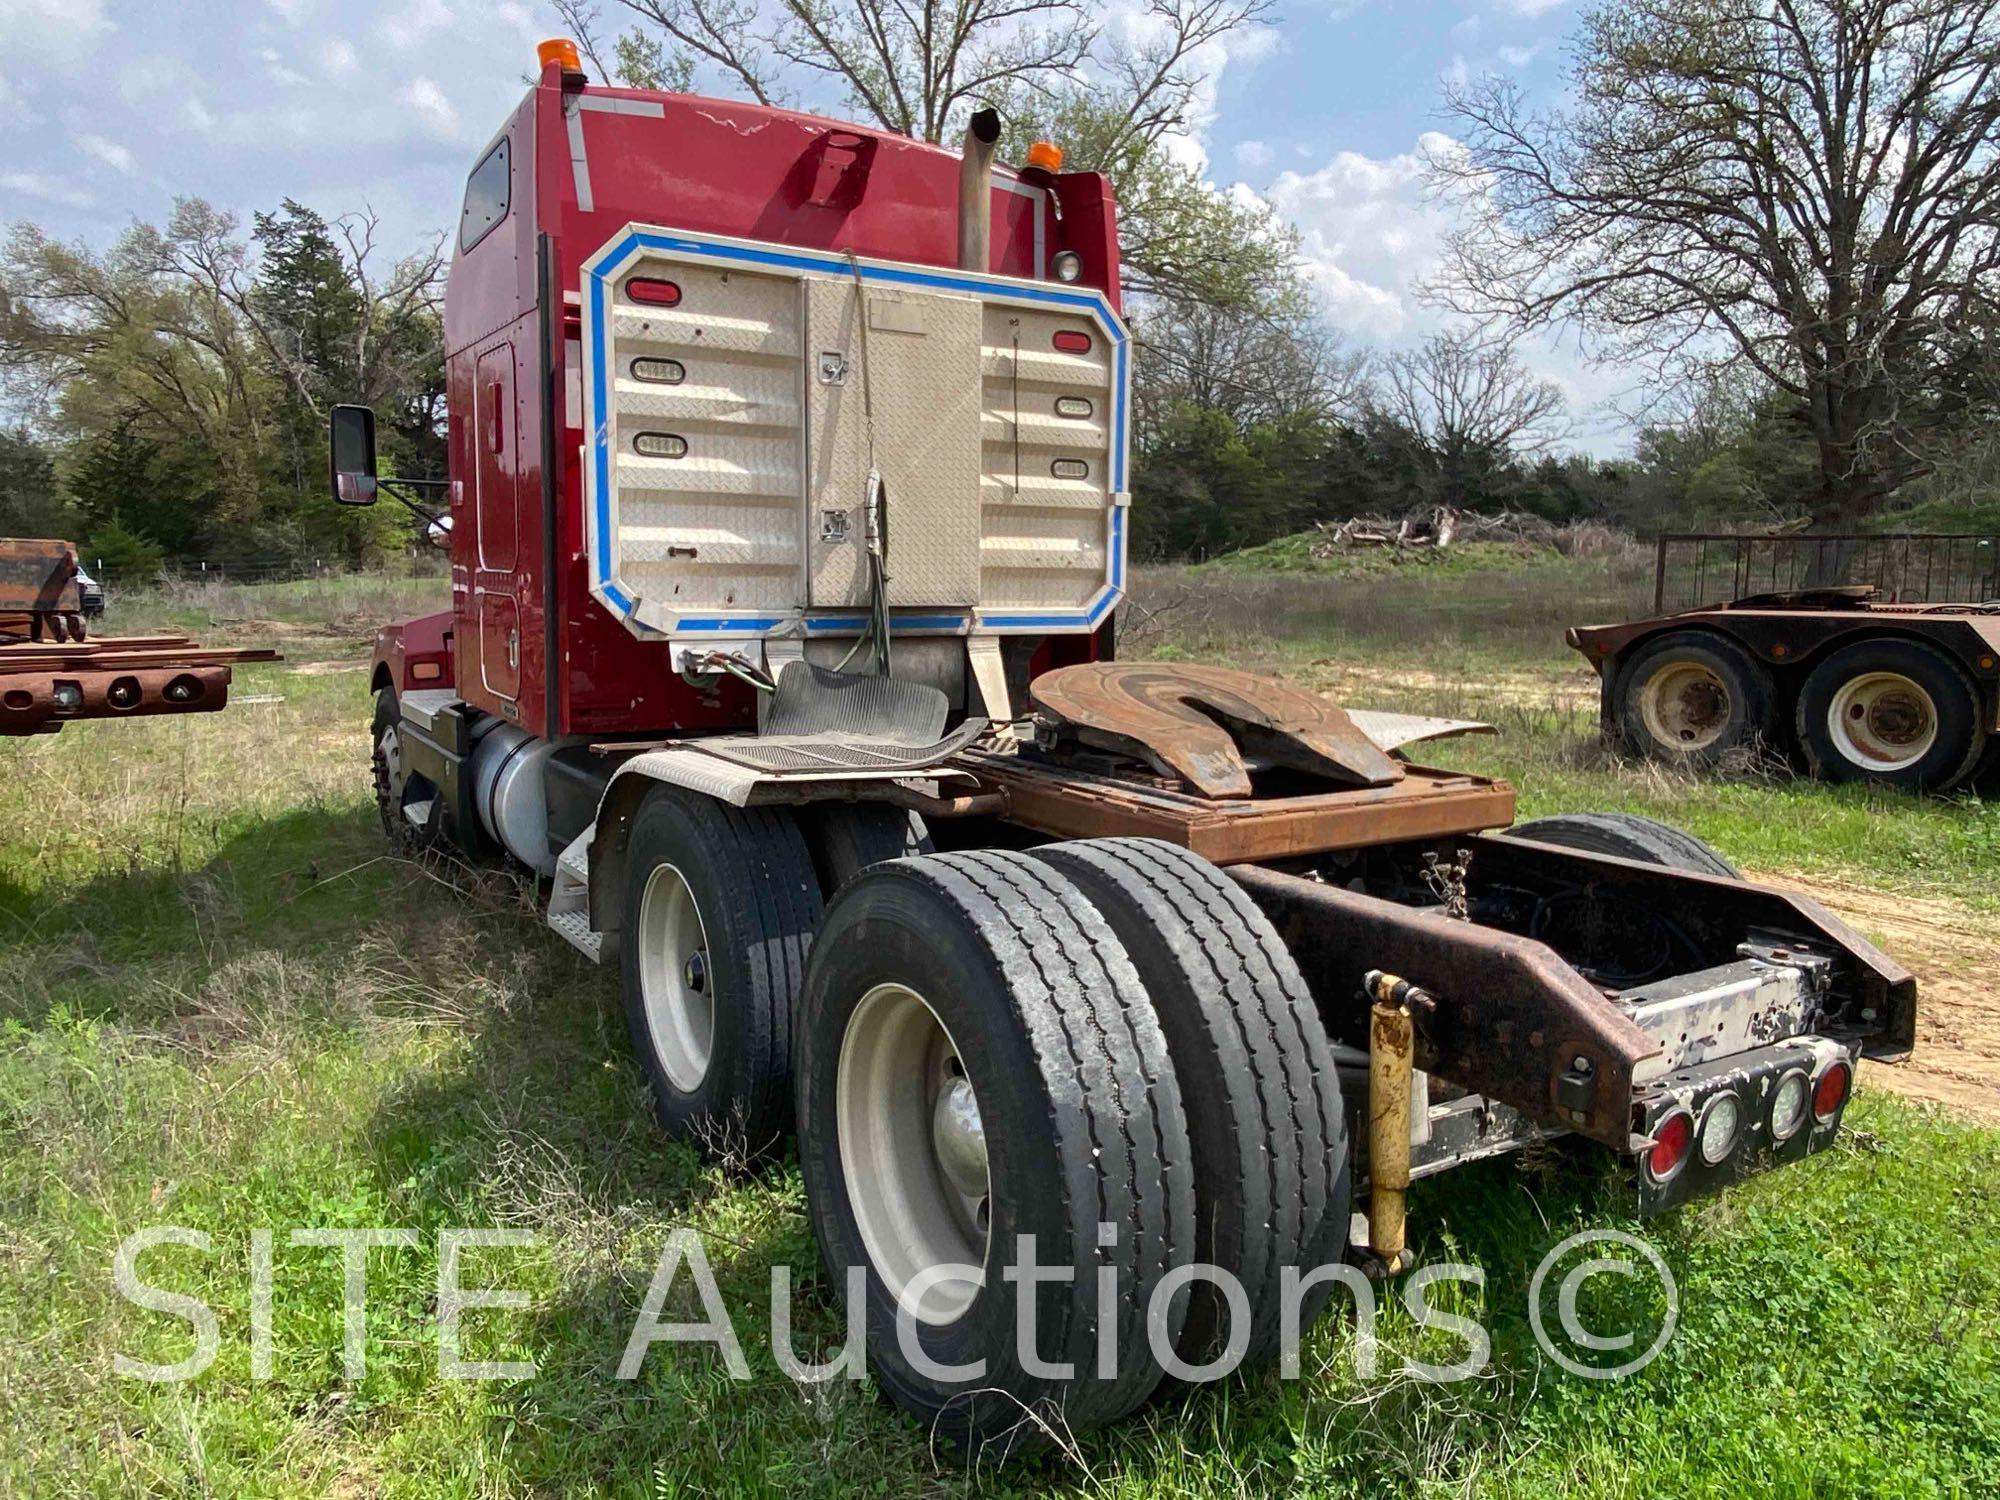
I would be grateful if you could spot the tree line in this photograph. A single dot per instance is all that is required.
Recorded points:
(1781, 216)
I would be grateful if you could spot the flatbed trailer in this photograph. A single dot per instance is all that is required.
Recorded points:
(788, 519)
(1868, 657)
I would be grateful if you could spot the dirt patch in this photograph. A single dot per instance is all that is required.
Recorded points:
(327, 668)
(1955, 954)
(1348, 682)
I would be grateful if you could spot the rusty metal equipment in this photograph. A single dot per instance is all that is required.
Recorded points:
(50, 675)
(1391, 1056)
(1209, 726)
(40, 596)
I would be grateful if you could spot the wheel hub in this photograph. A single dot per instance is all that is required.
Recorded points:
(1883, 721)
(1685, 706)
(959, 1137)
(673, 978)
(913, 1154)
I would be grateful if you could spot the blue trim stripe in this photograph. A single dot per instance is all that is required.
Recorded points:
(611, 259)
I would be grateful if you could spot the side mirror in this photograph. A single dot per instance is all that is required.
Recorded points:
(351, 441)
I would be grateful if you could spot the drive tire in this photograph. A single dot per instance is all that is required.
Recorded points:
(847, 837)
(1256, 1071)
(1081, 1126)
(1693, 697)
(756, 903)
(1627, 836)
(1897, 712)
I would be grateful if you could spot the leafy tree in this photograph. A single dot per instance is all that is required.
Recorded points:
(1808, 187)
(118, 555)
(31, 502)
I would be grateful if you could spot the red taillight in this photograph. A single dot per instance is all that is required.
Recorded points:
(653, 291)
(1831, 1091)
(1669, 1150)
(1073, 341)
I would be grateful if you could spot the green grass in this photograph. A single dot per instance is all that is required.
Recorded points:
(222, 1006)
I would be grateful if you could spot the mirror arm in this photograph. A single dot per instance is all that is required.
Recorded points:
(391, 488)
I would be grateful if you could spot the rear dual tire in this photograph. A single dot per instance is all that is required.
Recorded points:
(1139, 1051)
(999, 961)
(1897, 712)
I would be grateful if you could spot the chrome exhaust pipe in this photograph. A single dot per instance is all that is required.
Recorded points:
(975, 191)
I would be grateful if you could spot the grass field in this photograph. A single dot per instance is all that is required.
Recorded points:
(223, 1006)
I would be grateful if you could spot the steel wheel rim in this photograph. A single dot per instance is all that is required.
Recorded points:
(1685, 706)
(912, 1152)
(1882, 721)
(676, 985)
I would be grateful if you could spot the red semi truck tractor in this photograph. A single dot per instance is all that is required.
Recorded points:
(787, 515)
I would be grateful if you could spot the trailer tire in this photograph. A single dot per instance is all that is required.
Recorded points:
(394, 788)
(847, 837)
(1628, 836)
(1256, 1071)
(720, 908)
(996, 963)
(1693, 696)
(1895, 711)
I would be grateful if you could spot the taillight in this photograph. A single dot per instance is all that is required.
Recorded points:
(653, 291)
(1721, 1123)
(1831, 1091)
(1788, 1105)
(1669, 1151)
(1072, 341)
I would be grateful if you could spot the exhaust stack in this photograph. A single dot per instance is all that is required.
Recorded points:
(975, 191)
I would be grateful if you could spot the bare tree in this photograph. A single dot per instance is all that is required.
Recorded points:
(1809, 186)
(1252, 367)
(1469, 400)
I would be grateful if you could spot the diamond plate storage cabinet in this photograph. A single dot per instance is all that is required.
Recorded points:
(788, 510)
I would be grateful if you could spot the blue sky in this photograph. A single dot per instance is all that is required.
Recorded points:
(109, 108)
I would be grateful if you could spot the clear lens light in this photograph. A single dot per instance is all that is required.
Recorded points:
(1788, 1106)
(1068, 265)
(1719, 1128)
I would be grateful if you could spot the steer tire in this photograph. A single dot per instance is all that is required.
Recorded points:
(396, 788)
(1256, 1071)
(1958, 735)
(1745, 716)
(1081, 1127)
(757, 904)
(1628, 836)
(847, 837)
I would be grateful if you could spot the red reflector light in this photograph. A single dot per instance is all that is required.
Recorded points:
(653, 291)
(1831, 1091)
(1073, 341)
(1670, 1146)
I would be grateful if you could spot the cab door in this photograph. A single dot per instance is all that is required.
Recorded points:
(497, 522)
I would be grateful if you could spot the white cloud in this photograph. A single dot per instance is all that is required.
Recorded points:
(282, 72)
(414, 22)
(61, 24)
(1369, 235)
(338, 56)
(48, 189)
(1252, 155)
(292, 10)
(520, 16)
(429, 101)
(199, 115)
(110, 153)
(1519, 57)
(1535, 7)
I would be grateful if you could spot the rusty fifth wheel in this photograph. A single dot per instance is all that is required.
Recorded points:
(983, 1085)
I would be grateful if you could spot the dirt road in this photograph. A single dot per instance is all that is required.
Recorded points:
(1955, 954)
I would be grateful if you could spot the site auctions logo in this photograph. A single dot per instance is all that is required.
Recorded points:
(1425, 1295)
